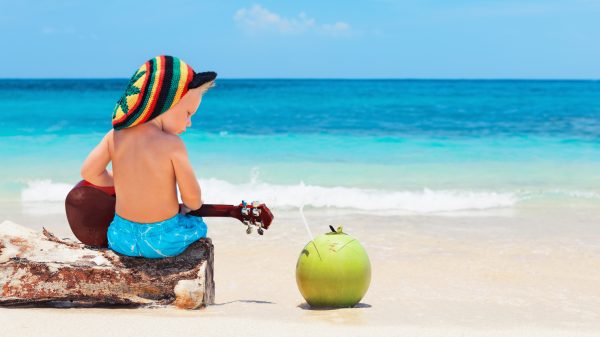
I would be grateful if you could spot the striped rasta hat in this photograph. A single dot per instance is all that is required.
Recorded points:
(154, 88)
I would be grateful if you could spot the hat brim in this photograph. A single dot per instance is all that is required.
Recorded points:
(202, 78)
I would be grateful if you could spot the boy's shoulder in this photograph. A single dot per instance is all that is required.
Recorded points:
(172, 143)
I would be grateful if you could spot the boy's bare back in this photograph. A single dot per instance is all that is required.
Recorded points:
(143, 172)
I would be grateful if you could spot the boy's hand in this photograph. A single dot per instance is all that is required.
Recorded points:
(183, 209)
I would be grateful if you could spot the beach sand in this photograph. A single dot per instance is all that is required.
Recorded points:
(526, 272)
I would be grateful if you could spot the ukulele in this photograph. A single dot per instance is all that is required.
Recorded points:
(91, 208)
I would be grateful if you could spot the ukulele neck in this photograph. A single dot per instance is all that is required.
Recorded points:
(214, 211)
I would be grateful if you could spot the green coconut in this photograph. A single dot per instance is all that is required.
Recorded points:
(333, 270)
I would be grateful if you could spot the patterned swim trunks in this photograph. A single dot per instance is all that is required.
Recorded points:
(155, 240)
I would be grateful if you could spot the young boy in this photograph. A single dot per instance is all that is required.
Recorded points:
(149, 160)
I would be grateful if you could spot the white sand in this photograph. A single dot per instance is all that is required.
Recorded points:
(532, 273)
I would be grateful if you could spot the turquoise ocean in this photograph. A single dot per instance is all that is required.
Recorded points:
(385, 146)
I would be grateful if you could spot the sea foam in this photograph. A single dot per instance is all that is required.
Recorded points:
(45, 190)
(279, 196)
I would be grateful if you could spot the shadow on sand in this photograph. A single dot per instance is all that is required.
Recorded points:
(306, 306)
(245, 301)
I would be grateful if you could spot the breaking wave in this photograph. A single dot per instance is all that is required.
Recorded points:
(40, 192)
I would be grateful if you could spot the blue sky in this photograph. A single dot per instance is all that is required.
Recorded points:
(304, 39)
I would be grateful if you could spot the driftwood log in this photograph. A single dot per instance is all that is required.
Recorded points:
(38, 268)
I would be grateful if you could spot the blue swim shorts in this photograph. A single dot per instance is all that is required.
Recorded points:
(157, 239)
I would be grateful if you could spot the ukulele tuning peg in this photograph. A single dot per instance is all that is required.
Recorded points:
(249, 230)
(245, 210)
(261, 231)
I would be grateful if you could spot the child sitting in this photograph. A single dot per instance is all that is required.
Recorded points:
(149, 160)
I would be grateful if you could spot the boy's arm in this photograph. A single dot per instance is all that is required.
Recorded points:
(94, 167)
(186, 179)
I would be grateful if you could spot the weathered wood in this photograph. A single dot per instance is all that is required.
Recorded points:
(39, 268)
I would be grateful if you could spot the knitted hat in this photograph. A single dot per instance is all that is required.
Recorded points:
(154, 88)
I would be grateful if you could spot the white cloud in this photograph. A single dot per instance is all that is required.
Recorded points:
(336, 28)
(259, 19)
